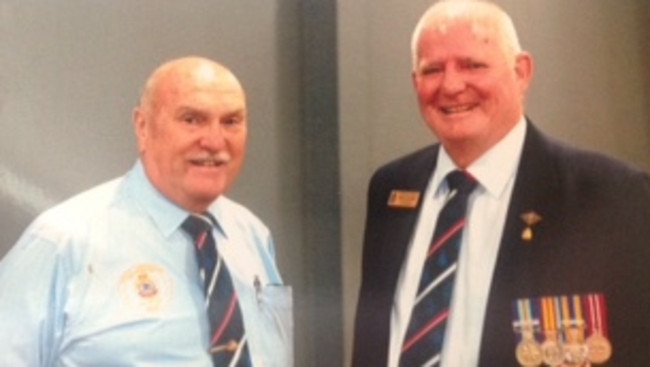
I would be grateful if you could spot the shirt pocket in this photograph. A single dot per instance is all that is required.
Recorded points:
(274, 341)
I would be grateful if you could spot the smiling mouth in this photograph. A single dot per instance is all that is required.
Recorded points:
(209, 162)
(457, 109)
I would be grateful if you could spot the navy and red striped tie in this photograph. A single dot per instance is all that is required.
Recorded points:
(228, 345)
(426, 330)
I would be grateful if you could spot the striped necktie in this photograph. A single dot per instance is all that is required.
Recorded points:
(228, 345)
(424, 336)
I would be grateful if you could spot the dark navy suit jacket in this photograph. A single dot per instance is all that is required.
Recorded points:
(594, 236)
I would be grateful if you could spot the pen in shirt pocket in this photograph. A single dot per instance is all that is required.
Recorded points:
(258, 289)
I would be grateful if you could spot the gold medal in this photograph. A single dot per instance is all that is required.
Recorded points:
(552, 353)
(575, 350)
(529, 353)
(598, 346)
(575, 354)
(599, 349)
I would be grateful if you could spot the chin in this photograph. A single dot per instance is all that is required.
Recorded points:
(206, 194)
(201, 203)
(210, 196)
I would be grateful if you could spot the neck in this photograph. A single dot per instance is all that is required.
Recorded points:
(463, 155)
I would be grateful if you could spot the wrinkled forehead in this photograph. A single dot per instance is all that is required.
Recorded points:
(202, 80)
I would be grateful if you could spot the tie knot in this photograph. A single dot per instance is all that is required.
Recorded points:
(461, 181)
(196, 225)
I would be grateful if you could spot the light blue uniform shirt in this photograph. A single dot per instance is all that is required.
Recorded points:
(108, 278)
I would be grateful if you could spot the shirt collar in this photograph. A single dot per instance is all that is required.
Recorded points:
(166, 215)
(219, 212)
(494, 169)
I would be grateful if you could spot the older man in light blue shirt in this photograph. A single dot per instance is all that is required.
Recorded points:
(109, 278)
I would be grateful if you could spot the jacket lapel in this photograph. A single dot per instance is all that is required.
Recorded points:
(535, 192)
(402, 221)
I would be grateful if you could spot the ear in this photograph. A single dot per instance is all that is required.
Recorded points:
(415, 80)
(140, 127)
(524, 68)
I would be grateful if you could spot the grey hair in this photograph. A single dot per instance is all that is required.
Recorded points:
(485, 17)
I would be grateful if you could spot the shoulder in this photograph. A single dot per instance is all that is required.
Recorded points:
(583, 174)
(71, 217)
(423, 156)
(588, 166)
(408, 167)
(57, 238)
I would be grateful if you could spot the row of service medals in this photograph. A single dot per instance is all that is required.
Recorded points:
(562, 331)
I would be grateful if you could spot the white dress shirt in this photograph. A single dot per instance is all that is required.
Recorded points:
(487, 209)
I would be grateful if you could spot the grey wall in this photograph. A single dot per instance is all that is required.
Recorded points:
(591, 87)
(71, 70)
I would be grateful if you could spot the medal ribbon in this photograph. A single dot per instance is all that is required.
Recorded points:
(597, 313)
(576, 305)
(526, 315)
(549, 315)
(567, 316)
(578, 316)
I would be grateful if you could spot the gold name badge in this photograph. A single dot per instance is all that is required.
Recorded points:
(404, 199)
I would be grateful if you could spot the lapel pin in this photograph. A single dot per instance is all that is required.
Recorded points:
(530, 218)
(404, 199)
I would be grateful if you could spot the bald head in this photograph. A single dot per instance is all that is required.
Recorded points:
(487, 20)
(173, 74)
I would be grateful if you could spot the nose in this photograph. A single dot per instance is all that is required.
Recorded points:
(213, 137)
(452, 81)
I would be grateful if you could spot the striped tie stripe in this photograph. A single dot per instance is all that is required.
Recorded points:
(424, 336)
(228, 342)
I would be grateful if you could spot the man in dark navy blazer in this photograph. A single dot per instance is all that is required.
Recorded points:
(547, 221)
